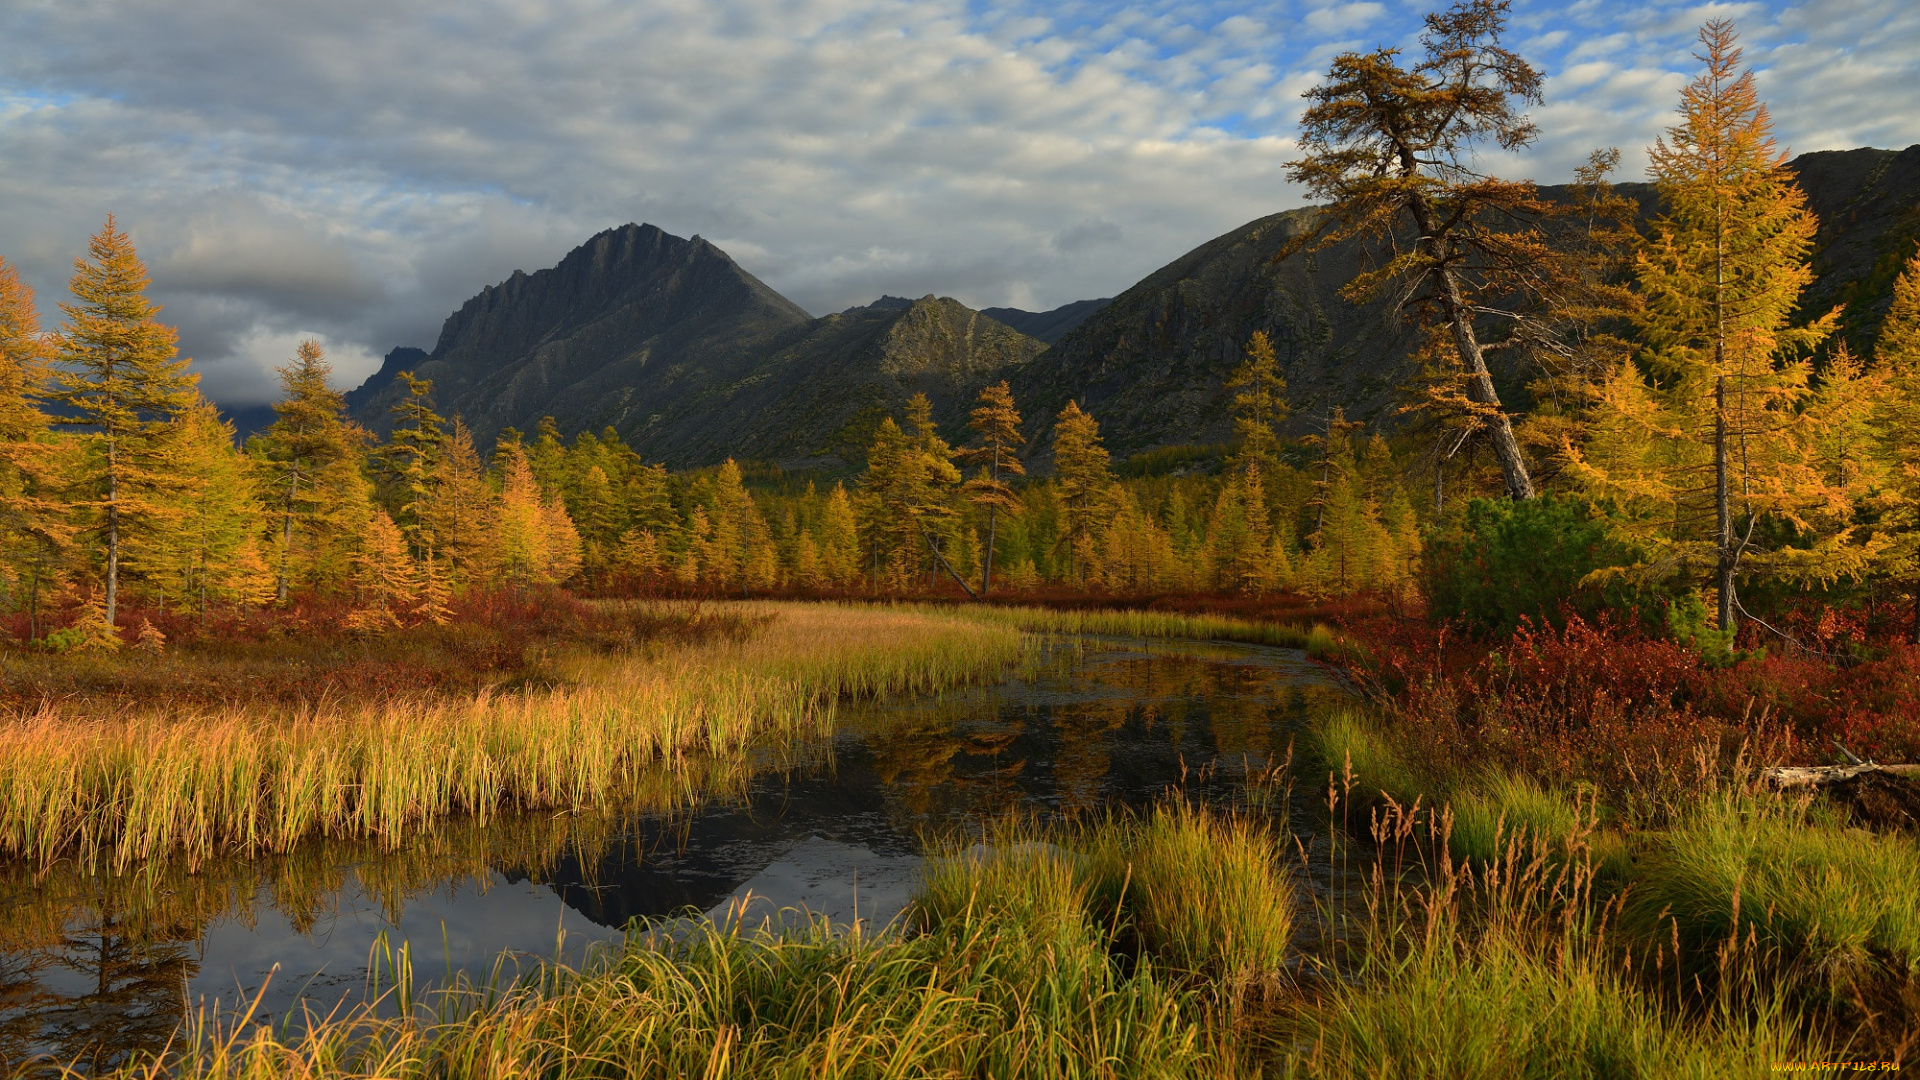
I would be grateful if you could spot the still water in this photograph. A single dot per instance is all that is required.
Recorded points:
(92, 968)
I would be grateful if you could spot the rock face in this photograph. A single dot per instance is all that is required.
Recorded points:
(1048, 326)
(625, 330)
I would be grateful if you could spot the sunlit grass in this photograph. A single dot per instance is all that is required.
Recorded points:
(152, 783)
(1145, 624)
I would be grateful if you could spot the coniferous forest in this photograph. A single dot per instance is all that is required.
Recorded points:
(1603, 764)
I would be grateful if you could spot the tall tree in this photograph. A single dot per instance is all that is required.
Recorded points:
(463, 510)
(308, 454)
(1080, 469)
(34, 534)
(1721, 385)
(1896, 356)
(123, 383)
(1260, 405)
(996, 429)
(208, 549)
(1390, 147)
(408, 459)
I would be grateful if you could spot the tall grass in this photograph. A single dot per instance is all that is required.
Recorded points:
(1146, 624)
(150, 784)
(1809, 896)
(1009, 975)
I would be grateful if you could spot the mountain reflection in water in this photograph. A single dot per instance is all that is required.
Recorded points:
(93, 968)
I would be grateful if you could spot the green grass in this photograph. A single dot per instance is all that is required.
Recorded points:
(1363, 759)
(1830, 902)
(1503, 1007)
(1499, 809)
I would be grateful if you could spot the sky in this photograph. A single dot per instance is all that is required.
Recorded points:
(353, 170)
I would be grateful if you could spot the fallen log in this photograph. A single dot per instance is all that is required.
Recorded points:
(1879, 797)
(1817, 776)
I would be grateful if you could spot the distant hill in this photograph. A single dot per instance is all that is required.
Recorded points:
(1048, 326)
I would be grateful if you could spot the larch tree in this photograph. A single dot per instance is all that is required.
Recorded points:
(932, 478)
(207, 551)
(995, 449)
(1701, 438)
(1390, 148)
(1260, 405)
(123, 383)
(407, 462)
(1080, 469)
(521, 529)
(34, 534)
(838, 539)
(463, 510)
(1896, 357)
(306, 455)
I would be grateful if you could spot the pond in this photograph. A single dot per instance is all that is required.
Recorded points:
(93, 968)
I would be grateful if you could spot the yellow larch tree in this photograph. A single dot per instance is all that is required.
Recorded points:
(35, 536)
(1698, 439)
(123, 384)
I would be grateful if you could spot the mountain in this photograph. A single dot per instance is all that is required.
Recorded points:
(1048, 326)
(1151, 365)
(627, 329)
(691, 359)
(818, 400)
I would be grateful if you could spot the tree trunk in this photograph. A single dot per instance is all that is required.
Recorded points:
(1480, 390)
(113, 541)
(942, 559)
(986, 564)
(1506, 448)
(1722, 507)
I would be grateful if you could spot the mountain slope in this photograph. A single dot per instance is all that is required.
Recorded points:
(626, 325)
(821, 397)
(1048, 326)
(1151, 365)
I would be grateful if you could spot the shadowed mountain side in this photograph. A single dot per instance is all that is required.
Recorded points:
(625, 330)
(824, 395)
(1868, 203)
(1048, 326)
(1152, 364)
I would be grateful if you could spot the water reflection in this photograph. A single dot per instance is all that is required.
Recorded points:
(92, 968)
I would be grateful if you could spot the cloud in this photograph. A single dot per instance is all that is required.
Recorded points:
(357, 168)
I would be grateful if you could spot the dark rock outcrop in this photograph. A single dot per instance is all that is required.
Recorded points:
(1048, 326)
(627, 328)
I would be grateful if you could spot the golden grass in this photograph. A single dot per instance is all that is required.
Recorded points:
(1144, 624)
(149, 784)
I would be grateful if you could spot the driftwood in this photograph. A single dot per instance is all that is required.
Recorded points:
(1881, 797)
(1819, 776)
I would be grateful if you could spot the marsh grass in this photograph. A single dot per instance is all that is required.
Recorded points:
(1144, 624)
(151, 784)
(1826, 906)
(1007, 975)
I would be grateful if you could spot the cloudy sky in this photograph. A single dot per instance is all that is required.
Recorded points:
(354, 169)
